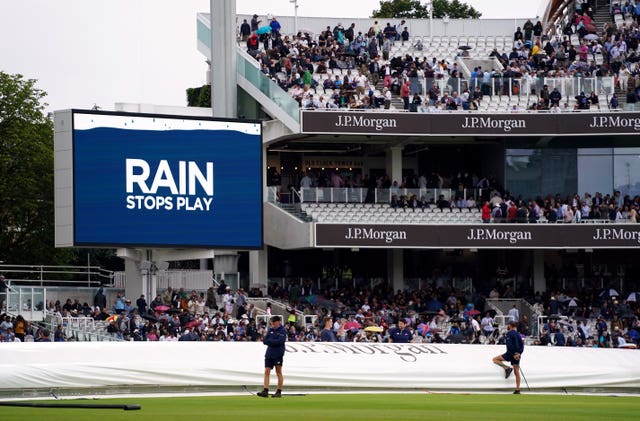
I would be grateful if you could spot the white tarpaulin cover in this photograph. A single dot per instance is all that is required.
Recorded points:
(351, 365)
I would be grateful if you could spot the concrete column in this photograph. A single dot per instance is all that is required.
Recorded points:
(539, 282)
(258, 269)
(137, 281)
(394, 164)
(204, 264)
(224, 90)
(226, 264)
(395, 268)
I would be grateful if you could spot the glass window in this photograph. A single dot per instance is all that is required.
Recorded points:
(539, 172)
(626, 176)
(595, 171)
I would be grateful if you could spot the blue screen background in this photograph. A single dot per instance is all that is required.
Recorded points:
(101, 215)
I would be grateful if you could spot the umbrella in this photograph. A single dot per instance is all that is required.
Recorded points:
(580, 319)
(429, 313)
(465, 47)
(628, 316)
(150, 318)
(609, 293)
(376, 329)
(634, 297)
(591, 37)
(590, 27)
(554, 317)
(263, 30)
(306, 31)
(352, 325)
(193, 323)
(457, 319)
(161, 308)
(326, 303)
(473, 312)
(174, 311)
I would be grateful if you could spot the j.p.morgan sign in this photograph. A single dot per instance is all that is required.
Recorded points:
(470, 124)
(560, 236)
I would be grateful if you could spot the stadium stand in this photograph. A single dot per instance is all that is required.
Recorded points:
(577, 58)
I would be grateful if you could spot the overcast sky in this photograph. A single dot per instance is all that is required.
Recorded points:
(142, 51)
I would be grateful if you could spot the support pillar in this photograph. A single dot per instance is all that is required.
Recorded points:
(139, 279)
(258, 269)
(225, 266)
(539, 282)
(394, 164)
(223, 59)
(395, 268)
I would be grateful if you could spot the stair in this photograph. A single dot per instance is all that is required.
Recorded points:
(294, 209)
(601, 16)
(396, 101)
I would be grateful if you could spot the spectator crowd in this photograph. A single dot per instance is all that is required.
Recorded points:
(304, 65)
(435, 313)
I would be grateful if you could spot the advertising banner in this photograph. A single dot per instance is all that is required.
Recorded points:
(144, 180)
(470, 124)
(503, 236)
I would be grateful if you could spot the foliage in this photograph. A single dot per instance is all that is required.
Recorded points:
(454, 9)
(26, 175)
(199, 97)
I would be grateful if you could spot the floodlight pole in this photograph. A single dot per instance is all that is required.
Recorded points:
(429, 6)
(295, 16)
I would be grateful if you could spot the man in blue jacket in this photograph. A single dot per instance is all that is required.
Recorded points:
(274, 339)
(400, 334)
(515, 347)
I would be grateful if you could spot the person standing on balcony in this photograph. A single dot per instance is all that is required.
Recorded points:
(255, 23)
(100, 300)
(245, 30)
(3, 292)
(275, 27)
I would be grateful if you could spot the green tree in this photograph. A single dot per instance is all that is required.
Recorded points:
(417, 9)
(26, 176)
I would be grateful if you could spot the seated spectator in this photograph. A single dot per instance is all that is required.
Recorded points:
(614, 102)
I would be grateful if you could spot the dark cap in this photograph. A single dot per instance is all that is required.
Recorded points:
(276, 319)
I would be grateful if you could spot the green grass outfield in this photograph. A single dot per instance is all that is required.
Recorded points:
(342, 407)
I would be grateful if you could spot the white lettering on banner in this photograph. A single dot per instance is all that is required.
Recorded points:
(617, 122)
(182, 194)
(373, 234)
(616, 234)
(493, 123)
(493, 234)
(406, 353)
(362, 121)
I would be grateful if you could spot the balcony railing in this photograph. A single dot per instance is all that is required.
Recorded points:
(365, 195)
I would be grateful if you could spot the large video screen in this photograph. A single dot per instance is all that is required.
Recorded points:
(145, 180)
